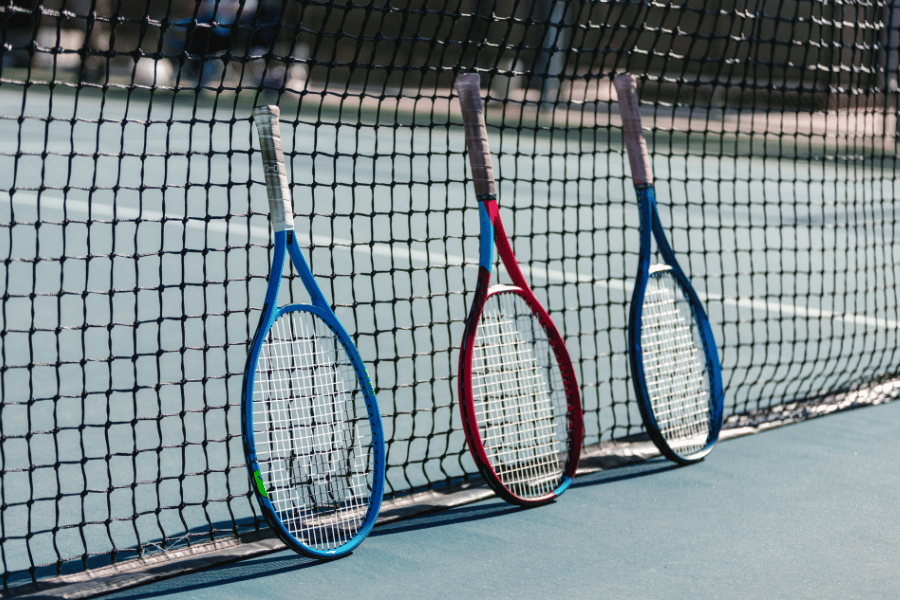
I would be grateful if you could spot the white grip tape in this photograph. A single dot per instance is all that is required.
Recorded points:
(626, 88)
(281, 213)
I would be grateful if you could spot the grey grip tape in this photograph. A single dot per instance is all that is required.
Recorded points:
(626, 88)
(468, 86)
(281, 212)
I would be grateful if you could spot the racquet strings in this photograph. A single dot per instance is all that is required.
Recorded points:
(519, 397)
(674, 365)
(313, 436)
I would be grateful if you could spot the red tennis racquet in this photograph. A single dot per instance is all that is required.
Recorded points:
(517, 389)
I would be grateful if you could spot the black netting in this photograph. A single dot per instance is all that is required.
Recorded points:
(135, 244)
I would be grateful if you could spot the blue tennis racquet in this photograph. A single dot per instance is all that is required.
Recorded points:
(311, 428)
(674, 362)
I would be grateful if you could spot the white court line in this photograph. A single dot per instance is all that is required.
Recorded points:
(433, 259)
(257, 233)
(810, 313)
(767, 306)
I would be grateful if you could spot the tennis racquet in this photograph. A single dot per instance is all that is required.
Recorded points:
(517, 389)
(674, 362)
(311, 428)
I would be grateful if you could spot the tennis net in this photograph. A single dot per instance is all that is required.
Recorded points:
(135, 243)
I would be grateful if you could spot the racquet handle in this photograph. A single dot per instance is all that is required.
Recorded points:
(468, 86)
(641, 172)
(281, 213)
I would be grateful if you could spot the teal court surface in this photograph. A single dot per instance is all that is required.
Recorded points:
(135, 247)
(803, 511)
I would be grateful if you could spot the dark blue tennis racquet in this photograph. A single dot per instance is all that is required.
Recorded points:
(311, 428)
(674, 362)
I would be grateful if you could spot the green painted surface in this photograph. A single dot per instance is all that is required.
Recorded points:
(259, 484)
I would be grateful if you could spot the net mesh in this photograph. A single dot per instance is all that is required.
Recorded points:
(135, 244)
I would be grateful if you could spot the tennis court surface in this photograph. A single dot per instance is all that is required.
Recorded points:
(135, 246)
(805, 511)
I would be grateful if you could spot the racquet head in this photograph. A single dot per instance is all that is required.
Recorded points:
(676, 394)
(314, 441)
(520, 399)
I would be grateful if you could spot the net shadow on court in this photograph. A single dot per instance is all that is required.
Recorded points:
(267, 566)
(642, 469)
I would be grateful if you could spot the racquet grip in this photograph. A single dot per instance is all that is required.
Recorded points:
(641, 172)
(281, 213)
(468, 86)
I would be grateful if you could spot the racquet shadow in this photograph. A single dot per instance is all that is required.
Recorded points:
(225, 574)
(286, 561)
(484, 509)
(495, 507)
(652, 466)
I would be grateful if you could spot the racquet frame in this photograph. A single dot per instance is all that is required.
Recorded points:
(285, 240)
(493, 234)
(651, 228)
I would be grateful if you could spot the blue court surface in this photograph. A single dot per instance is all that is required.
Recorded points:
(135, 247)
(803, 511)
